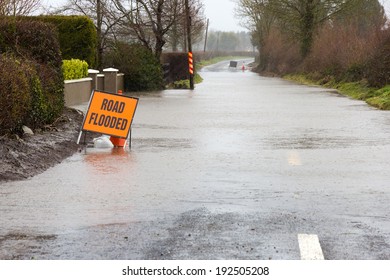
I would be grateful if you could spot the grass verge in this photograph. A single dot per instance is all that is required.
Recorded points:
(185, 84)
(379, 98)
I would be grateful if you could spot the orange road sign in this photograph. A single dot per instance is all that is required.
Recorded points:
(110, 114)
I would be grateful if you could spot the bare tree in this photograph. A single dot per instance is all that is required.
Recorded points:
(149, 21)
(365, 14)
(177, 35)
(257, 18)
(104, 15)
(18, 7)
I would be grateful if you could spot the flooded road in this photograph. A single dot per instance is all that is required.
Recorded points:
(235, 169)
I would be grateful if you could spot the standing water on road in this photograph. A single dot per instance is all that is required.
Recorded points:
(234, 169)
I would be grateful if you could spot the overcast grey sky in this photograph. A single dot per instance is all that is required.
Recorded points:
(220, 13)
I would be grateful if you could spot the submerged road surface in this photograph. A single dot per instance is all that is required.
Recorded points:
(243, 167)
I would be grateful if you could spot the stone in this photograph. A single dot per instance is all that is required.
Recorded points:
(27, 130)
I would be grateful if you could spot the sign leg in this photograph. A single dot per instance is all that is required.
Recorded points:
(78, 139)
(130, 139)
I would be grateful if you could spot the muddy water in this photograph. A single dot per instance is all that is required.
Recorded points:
(239, 145)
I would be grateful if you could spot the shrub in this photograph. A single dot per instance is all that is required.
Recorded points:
(142, 70)
(15, 97)
(30, 39)
(341, 51)
(21, 96)
(52, 82)
(37, 42)
(74, 69)
(279, 54)
(378, 65)
(77, 36)
(38, 111)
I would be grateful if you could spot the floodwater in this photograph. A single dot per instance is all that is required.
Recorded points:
(232, 170)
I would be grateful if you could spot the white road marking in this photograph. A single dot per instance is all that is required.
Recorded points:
(310, 247)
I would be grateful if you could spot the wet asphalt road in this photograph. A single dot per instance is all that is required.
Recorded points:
(235, 169)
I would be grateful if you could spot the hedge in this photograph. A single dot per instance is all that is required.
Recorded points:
(74, 69)
(15, 97)
(30, 39)
(142, 70)
(378, 66)
(77, 36)
(36, 43)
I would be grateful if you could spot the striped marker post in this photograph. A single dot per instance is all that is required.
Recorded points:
(191, 69)
(191, 63)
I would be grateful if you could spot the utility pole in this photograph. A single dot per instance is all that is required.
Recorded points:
(205, 40)
(218, 41)
(99, 34)
(190, 58)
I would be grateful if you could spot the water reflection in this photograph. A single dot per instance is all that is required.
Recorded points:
(109, 161)
(293, 158)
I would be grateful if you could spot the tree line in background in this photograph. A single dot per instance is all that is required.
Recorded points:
(157, 25)
(342, 39)
(225, 41)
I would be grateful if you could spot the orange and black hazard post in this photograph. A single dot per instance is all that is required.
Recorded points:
(190, 58)
(191, 63)
(191, 69)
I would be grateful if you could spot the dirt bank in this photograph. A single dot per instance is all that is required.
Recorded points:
(30, 155)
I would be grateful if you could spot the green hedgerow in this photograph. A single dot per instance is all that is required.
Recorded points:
(37, 43)
(15, 96)
(77, 36)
